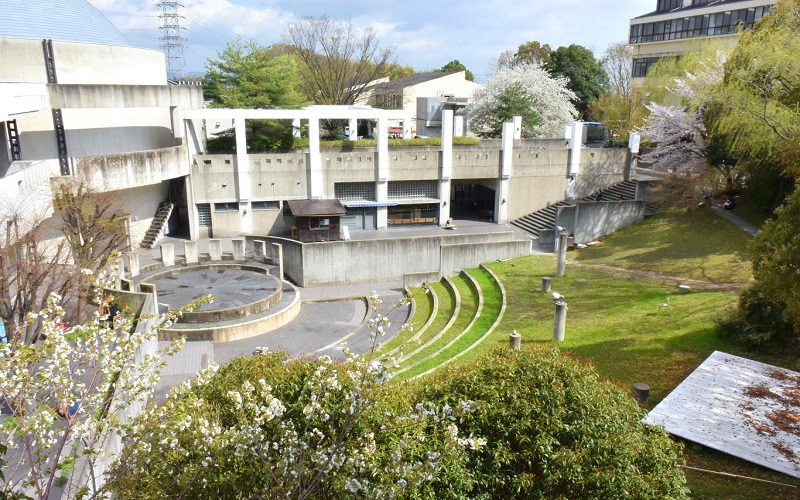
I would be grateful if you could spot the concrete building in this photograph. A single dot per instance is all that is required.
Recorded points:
(676, 26)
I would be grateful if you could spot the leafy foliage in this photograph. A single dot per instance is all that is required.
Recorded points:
(620, 107)
(513, 102)
(585, 75)
(553, 430)
(532, 52)
(455, 65)
(548, 97)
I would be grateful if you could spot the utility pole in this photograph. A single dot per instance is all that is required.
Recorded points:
(172, 38)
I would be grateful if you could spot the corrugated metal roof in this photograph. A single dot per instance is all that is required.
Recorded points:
(64, 20)
(316, 208)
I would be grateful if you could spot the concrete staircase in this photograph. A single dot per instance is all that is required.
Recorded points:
(153, 234)
(545, 219)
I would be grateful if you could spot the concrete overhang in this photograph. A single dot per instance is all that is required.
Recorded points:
(21, 98)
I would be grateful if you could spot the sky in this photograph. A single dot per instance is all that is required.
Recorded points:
(424, 35)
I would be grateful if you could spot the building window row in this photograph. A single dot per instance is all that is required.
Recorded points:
(413, 189)
(643, 65)
(667, 5)
(721, 23)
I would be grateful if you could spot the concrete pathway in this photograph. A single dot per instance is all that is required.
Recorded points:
(734, 219)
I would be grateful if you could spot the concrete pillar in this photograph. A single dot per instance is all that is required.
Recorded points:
(634, 141)
(560, 321)
(382, 171)
(446, 168)
(458, 126)
(296, 127)
(243, 189)
(133, 264)
(314, 160)
(215, 250)
(260, 251)
(121, 273)
(168, 254)
(277, 258)
(150, 288)
(517, 121)
(191, 252)
(238, 249)
(515, 340)
(352, 129)
(408, 125)
(545, 284)
(575, 140)
(562, 253)
(506, 162)
(194, 223)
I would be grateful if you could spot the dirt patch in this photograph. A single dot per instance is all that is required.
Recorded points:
(677, 280)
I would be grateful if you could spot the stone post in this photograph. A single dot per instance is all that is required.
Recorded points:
(515, 340)
(215, 250)
(191, 252)
(560, 321)
(641, 392)
(545, 284)
(150, 288)
(260, 251)
(277, 258)
(562, 254)
(238, 250)
(133, 264)
(168, 254)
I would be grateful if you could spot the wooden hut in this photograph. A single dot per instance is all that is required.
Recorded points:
(316, 220)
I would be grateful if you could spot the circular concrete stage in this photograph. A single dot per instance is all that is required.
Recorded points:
(231, 287)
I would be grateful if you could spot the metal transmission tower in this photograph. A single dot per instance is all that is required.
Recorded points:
(172, 38)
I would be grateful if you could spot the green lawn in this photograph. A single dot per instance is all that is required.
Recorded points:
(613, 320)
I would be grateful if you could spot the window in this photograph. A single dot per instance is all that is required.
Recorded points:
(320, 222)
(350, 191)
(266, 205)
(413, 189)
(226, 207)
(204, 215)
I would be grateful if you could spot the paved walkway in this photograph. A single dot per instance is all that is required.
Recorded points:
(731, 217)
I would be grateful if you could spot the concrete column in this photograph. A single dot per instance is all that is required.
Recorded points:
(458, 126)
(296, 127)
(191, 252)
(545, 284)
(314, 160)
(515, 340)
(215, 250)
(243, 188)
(576, 137)
(446, 168)
(382, 171)
(194, 224)
(517, 121)
(260, 251)
(133, 264)
(277, 258)
(352, 129)
(121, 273)
(408, 126)
(634, 141)
(238, 249)
(506, 163)
(168, 254)
(562, 254)
(150, 288)
(560, 321)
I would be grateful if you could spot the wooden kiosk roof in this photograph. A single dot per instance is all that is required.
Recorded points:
(738, 406)
(316, 208)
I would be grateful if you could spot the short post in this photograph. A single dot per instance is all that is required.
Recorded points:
(546, 284)
(215, 249)
(277, 258)
(560, 321)
(641, 392)
(260, 251)
(133, 264)
(562, 253)
(191, 252)
(150, 288)
(168, 254)
(515, 340)
(238, 250)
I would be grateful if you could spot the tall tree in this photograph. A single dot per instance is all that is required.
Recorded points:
(548, 97)
(532, 53)
(337, 60)
(248, 75)
(586, 76)
(620, 107)
(455, 65)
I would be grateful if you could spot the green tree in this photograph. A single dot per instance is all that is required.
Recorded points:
(554, 430)
(455, 65)
(586, 75)
(533, 53)
(621, 106)
(513, 101)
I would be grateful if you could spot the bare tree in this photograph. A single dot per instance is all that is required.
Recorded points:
(338, 61)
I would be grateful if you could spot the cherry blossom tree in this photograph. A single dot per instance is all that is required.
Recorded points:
(549, 98)
(679, 136)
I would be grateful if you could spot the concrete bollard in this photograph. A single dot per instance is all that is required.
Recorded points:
(168, 254)
(560, 321)
(260, 251)
(190, 252)
(215, 250)
(641, 392)
(562, 254)
(238, 250)
(515, 340)
(546, 284)
(133, 264)
(150, 288)
(277, 258)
